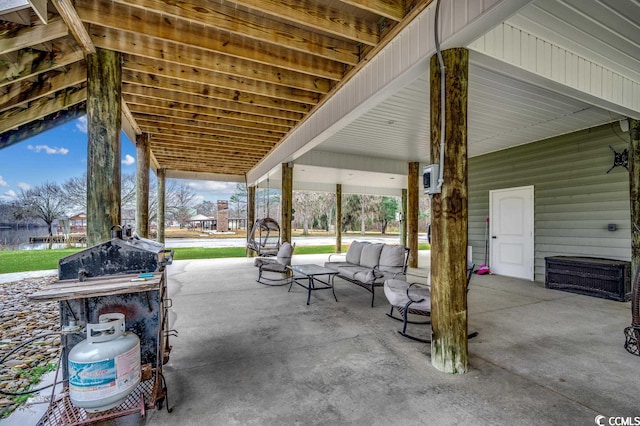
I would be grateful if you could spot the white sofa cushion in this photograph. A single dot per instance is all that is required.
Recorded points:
(355, 252)
(371, 255)
(392, 258)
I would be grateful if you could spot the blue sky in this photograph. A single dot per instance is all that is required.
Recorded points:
(61, 153)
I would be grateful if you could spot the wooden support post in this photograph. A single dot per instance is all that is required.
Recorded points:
(286, 202)
(412, 214)
(403, 224)
(104, 112)
(634, 193)
(449, 351)
(251, 214)
(161, 204)
(338, 218)
(143, 155)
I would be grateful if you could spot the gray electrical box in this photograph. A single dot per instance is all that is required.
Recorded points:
(430, 176)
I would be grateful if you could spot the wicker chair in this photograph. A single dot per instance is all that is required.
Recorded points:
(278, 265)
(413, 298)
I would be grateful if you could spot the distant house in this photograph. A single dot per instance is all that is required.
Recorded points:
(78, 223)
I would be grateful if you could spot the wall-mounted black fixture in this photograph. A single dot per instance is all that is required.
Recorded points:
(619, 159)
(612, 227)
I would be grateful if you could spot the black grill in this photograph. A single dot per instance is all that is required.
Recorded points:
(128, 255)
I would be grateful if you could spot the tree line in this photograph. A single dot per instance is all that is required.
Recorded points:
(49, 201)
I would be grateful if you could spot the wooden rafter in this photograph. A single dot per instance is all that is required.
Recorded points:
(217, 85)
(28, 62)
(41, 107)
(147, 67)
(318, 17)
(263, 30)
(27, 91)
(10, 41)
(123, 18)
(392, 9)
(196, 88)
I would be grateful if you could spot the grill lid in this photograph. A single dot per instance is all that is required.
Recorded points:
(116, 256)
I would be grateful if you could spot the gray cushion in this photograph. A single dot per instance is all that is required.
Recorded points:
(259, 261)
(334, 266)
(391, 258)
(396, 293)
(351, 271)
(371, 255)
(284, 254)
(355, 252)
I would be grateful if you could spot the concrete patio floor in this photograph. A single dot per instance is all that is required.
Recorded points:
(250, 354)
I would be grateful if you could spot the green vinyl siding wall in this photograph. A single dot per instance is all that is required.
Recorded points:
(574, 197)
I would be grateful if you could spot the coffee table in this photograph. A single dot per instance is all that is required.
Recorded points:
(311, 280)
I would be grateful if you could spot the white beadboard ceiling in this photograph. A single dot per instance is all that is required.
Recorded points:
(505, 109)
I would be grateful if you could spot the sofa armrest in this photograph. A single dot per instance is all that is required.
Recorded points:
(342, 255)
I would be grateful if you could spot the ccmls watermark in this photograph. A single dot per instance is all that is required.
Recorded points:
(617, 421)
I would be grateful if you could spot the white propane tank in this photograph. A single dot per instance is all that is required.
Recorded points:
(104, 368)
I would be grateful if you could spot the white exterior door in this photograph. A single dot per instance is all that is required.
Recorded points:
(511, 232)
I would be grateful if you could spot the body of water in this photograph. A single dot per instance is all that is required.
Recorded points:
(18, 239)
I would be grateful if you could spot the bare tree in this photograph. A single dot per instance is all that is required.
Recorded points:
(46, 201)
(180, 202)
(75, 190)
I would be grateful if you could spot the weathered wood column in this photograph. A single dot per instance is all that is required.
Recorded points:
(634, 192)
(251, 214)
(104, 90)
(412, 213)
(338, 218)
(161, 204)
(286, 202)
(143, 154)
(449, 351)
(403, 211)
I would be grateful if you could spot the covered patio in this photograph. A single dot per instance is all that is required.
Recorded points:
(253, 354)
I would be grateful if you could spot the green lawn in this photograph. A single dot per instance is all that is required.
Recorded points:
(37, 260)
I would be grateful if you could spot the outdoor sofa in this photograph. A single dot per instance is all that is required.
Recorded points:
(369, 265)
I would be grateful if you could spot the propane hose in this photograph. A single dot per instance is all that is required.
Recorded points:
(22, 345)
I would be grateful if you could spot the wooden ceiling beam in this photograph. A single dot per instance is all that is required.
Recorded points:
(206, 154)
(185, 145)
(229, 130)
(202, 100)
(245, 126)
(313, 15)
(201, 129)
(249, 25)
(135, 45)
(28, 63)
(163, 130)
(70, 16)
(212, 167)
(224, 81)
(122, 18)
(188, 139)
(47, 123)
(212, 92)
(47, 83)
(40, 108)
(135, 101)
(392, 9)
(24, 37)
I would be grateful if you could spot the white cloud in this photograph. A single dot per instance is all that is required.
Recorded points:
(47, 149)
(128, 160)
(8, 196)
(3, 182)
(24, 186)
(81, 124)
